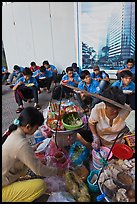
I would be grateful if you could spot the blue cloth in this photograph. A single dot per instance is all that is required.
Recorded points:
(20, 70)
(75, 76)
(3, 69)
(92, 88)
(130, 86)
(50, 73)
(92, 74)
(132, 69)
(31, 80)
(40, 74)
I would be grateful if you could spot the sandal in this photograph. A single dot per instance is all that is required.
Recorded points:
(19, 110)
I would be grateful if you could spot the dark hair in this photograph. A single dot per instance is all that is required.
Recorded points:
(96, 68)
(33, 64)
(42, 69)
(74, 65)
(16, 67)
(130, 60)
(114, 93)
(84, 73)
(27, 72)
(126, 73)
(46, 62)
(69, 69)
(29, 115)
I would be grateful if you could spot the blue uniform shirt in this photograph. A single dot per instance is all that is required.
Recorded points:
(3, 69)
(75, 76)
(92, 88)
(39, 74)
(132, 69)
(98, 75)
(130, 86)
(31, 80)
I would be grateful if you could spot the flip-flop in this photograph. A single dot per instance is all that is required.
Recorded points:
(19, 110)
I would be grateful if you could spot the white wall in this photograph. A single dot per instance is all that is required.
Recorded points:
(38, 31)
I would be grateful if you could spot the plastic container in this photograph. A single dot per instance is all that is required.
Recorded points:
(122, 151)
(38, 136)
(71, 127)
(93, 187)
(97, 160)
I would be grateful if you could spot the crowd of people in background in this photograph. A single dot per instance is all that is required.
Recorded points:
(30, 80)
(105, 120)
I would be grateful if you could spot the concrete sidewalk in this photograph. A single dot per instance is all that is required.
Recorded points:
(9, 105)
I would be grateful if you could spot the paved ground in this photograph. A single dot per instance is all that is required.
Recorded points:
(9, 105)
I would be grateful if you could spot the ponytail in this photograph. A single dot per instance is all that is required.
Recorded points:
(11, 129)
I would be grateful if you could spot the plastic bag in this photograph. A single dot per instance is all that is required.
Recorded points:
(50, 156)
(78, 153)
(61, 197)
(55, 184)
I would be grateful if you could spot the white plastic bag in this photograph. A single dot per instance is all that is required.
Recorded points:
(61, 197)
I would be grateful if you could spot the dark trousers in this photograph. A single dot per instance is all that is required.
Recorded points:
(130, 100)
(44, 83)
(23, 93)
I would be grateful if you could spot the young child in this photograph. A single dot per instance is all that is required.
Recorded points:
(91, 86)
(129, 66)
(71, 78)
(41, 77)
(126, 83)
(26, 88)
(34, 67)
(17, 72)
(101, 77)
(18, 156)
(51, 72)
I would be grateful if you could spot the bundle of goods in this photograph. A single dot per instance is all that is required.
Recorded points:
(76, 187)
(54, 124)
(78, 153)
(56, 157)
(117, 181)
(46, 131)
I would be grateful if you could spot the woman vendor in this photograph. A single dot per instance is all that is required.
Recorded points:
(105, 121)
(18, 156)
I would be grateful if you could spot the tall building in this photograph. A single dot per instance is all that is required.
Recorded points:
(121, 32)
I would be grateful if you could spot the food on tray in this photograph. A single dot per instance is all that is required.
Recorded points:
(130, 139)
(52, 123)
(30, 84)
(71, 109)
(72, 121)
(127, 91)
(122, 172)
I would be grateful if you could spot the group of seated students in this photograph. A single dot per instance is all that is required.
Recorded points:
(105, 122)
(95, 82)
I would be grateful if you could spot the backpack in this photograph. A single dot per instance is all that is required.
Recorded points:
(57, 92)
(100, 74)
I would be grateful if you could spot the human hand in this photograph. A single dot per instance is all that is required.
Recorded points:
(34, 147)
(96, 143)
(20, 83)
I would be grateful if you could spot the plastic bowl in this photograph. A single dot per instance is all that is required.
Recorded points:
(122, 151)
(93, 187)
(71, 127)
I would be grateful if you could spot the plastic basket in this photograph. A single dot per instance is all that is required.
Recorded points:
(93, 187)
